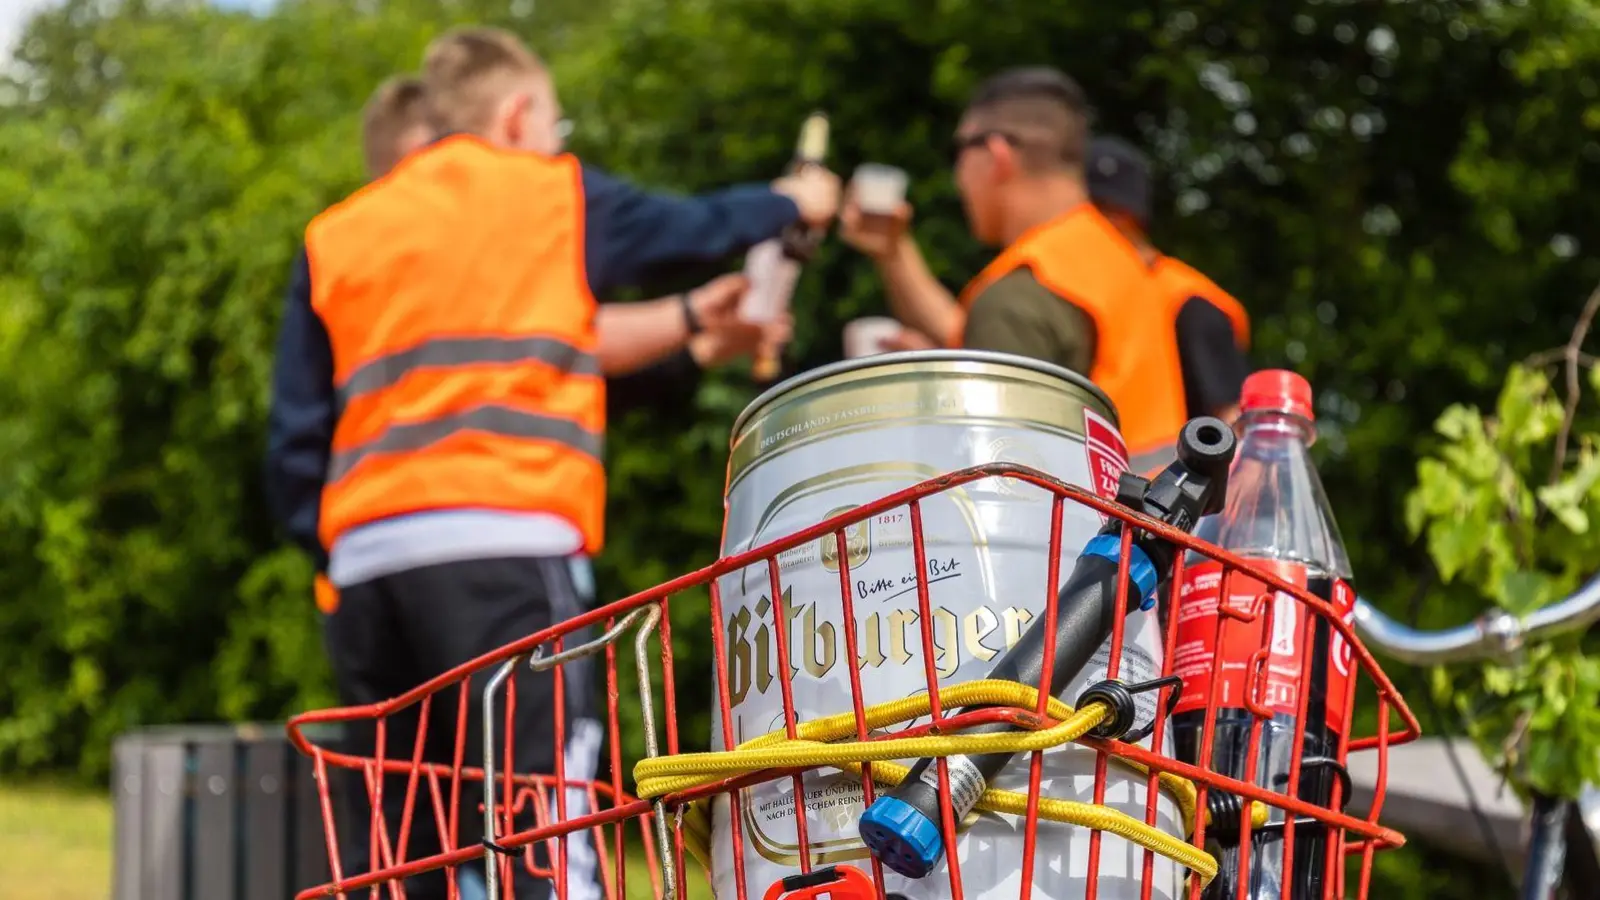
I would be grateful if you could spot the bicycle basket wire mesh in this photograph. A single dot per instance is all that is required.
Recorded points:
(1126, 819)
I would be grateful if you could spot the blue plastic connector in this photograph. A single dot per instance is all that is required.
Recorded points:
(902, 838)
(1141, 571)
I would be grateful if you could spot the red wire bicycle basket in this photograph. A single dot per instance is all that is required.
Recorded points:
(668, 832)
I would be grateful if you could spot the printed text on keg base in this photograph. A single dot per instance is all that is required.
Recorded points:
(912, 407)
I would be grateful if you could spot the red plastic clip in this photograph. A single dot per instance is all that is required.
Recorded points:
(839, 882)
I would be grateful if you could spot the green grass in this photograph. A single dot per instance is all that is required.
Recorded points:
(55, 844)
(638, 878)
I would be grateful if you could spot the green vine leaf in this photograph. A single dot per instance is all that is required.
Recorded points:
(1568, 498)
(1526, 414)
(1458, 422)
(1500, 522)
(1520, 592)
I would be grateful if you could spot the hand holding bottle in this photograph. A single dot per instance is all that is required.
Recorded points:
(714, 347)
(774, 266)
(815, 190)
(715, 304)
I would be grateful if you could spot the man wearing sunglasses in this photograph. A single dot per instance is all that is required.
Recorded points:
(1068, 288)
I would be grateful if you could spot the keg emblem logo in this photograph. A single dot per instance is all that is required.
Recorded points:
(1022, 453)
(857, 543)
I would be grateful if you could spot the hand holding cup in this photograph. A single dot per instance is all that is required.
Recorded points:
(875, 213)
(872, 335)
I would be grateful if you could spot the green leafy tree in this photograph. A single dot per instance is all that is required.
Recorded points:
(1395, 190)
(1505, 506)
(1391, 188)
(161, 160)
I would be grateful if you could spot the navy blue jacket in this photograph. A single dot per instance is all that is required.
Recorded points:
(630, 236)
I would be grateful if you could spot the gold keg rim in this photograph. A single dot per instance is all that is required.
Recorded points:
(814, 377)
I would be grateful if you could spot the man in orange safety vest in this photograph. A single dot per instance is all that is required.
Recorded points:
(1068, 287)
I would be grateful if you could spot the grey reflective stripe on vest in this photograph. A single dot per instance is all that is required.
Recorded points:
(387, 370)
(1150, 460)
(498, 420)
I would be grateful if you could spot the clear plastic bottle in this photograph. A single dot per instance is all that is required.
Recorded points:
(1276, 515)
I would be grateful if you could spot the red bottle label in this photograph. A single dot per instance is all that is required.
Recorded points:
(1276, 683)
(1342, 666)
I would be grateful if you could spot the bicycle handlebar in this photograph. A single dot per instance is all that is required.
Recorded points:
(1493, 635)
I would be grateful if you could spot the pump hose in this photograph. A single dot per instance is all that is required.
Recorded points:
(812, 748)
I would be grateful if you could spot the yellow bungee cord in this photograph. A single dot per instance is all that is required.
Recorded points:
(814, 746)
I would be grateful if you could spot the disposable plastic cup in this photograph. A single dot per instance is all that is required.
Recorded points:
(879, 190)
(868, 336)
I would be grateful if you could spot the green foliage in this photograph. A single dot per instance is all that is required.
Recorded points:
(1499, 518)
(1386, 186)
(160, 162)
(1396, 191)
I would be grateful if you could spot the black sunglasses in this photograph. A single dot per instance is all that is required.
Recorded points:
(980, 139)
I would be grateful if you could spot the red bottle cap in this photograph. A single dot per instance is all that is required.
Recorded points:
(1276, 390)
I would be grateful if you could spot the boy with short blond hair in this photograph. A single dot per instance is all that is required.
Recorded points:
(438, 413)
(393, 123)
(469, 70)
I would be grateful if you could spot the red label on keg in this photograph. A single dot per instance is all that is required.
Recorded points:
(1108, 455)
(1276, 676)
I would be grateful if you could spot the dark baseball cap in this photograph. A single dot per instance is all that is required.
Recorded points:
(1119, 177)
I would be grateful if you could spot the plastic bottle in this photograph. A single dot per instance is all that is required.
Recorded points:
(1277, 516)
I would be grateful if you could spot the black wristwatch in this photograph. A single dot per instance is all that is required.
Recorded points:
(689, 318)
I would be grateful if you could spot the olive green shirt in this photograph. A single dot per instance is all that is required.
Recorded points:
(1019, 315)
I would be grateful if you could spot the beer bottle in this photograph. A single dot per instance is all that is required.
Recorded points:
(774, 266)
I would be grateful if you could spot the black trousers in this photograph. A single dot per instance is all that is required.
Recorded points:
(395, 632)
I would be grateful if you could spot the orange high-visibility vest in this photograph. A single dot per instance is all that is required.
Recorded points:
(1081, 257)
(1183, 282)
(462, 325)
(327, 595)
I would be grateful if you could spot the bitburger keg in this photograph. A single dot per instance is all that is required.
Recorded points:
(844, 435)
